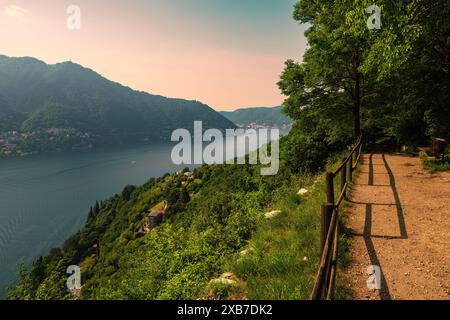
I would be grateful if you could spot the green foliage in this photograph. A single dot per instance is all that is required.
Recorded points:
(410, 55)
(282, 256)
(395, 79)
(10, 119)
(54, 115)
(223, 291)
(177, 199)
(437, 165)
(305, 152)
(127, 192)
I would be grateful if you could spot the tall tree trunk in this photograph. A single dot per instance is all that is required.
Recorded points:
(357, 106)
(357, 96)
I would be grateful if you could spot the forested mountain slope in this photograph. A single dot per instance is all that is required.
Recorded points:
(36, 96)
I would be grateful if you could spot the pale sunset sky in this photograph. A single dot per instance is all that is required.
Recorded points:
(225, 53)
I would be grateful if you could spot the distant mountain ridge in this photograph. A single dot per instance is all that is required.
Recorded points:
(262, 116)
(36, 96)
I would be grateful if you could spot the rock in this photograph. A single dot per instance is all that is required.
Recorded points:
(229, 280)
(245, 252)
(224, 281)
(302, 192)
(226, 278)
(272, 214)
(305, 259)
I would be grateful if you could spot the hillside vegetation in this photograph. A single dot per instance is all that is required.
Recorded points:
(259, 116)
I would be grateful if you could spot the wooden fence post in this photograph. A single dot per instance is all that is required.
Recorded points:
(344, 180)
(357, 154)
(330, 187)
(327, 213)
(350, 169)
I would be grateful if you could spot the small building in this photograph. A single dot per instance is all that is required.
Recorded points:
(155, 218)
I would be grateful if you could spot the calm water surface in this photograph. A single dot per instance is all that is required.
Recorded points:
(45, 198)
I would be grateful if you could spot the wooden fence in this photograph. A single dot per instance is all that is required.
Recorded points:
(324, 285)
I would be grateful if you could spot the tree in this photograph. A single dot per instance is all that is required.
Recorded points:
(127, 192)
(177, 198)
(91, 214)
(329, 84)
(410, 54)
(394, 80)
(96, 209)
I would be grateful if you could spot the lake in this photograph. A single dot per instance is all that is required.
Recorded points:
(46, 198)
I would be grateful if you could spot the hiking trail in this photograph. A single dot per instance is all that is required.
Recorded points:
(399, 220)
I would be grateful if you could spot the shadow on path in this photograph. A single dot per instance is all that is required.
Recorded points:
(367, 234)
(398, 203)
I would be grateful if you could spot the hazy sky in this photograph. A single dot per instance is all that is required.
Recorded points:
(226, 53)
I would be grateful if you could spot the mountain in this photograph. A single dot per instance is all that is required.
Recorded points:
(259, 116)
(36, 96)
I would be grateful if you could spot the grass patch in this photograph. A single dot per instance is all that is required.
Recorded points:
(223, 291)
(436, 165)
(284, 257)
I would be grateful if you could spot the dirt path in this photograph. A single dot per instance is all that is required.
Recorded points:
(400, 221)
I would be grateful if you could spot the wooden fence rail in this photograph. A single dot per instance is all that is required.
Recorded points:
(324, 285)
